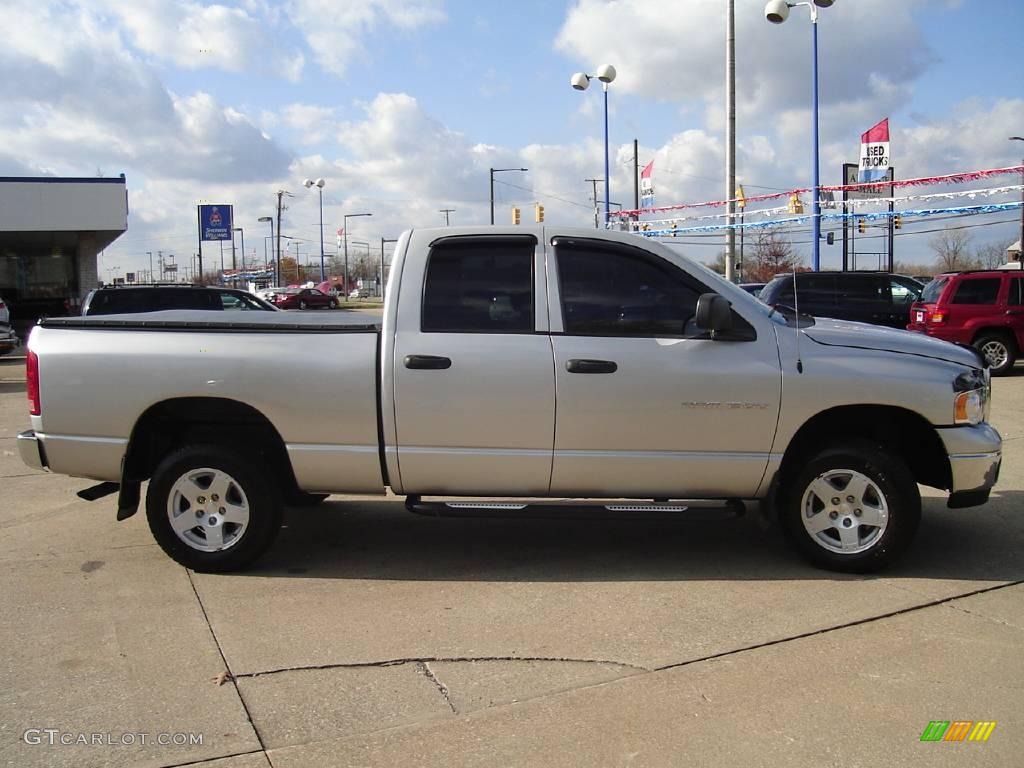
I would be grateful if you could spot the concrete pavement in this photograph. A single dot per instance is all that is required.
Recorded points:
(369, 636)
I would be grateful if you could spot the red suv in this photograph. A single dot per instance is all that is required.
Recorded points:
(984, 308)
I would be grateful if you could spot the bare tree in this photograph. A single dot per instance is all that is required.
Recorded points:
(718, 265)
(992, 255)
(952, 249)
(770, 254)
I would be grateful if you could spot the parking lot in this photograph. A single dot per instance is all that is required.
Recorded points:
(373, 637)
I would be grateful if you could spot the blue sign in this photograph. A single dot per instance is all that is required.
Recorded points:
(215, 222)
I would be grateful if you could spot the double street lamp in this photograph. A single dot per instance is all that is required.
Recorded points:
(319, 188)
(580, 81)
(344, 234)
(776, 12)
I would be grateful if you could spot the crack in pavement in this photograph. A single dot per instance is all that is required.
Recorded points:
(425, 668)
(227, 667)
(437, 659)
(208, 760)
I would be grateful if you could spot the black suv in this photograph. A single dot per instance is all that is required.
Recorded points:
(118, 300)
(881, 298)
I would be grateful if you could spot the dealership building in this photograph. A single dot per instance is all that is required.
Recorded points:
(51, 231)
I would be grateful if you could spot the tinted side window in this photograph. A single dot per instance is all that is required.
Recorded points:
(622, 293)
(980, 291)
(817, 292)
(1016, 287)
(479, 287)
(863, 291)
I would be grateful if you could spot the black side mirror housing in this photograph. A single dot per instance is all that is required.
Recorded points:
(714, 313)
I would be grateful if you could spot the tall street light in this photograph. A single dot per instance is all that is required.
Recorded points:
(500, 170)
(344, 233)
(1020, 253)
(242, 233)
(277, 260)
(319, 188)
(580, 81)
(777, 11)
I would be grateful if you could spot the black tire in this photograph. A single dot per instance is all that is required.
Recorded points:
(890, 497)
(333, 304)
(302, 305)
(999, 350)
(249, 485)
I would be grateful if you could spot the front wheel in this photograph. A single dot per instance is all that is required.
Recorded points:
(853, 508)
(333, 304)
(212, 509)
(302, 305)
(999, 351)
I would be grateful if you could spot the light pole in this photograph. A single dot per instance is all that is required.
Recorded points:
(242, 233)
(1020, 253)
(150, 254)
(382, 241)
(277, 260)
(777, 11)
(500, 170)
(580, 81)
(319, 188)
(344, 233)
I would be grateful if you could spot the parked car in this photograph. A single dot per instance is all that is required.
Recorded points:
(116, 300)
(984, 308)
(303, 298)
(5, 312)
(754, 289)
(880, 298)
(8, 339)
(516, 363)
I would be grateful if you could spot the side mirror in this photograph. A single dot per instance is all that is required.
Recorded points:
(714, 313)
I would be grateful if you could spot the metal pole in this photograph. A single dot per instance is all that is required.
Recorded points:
(344, 233)
(321, 191)
(150, 253)
(492, 196)
(234, 265)
(636, 176)
(816, 221)
(607, 206)
(730, 140)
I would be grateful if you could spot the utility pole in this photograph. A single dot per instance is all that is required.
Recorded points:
(730, 142)
(160, 261)
(150, 254)
(277, 251)
(597, 210)
(636, 174)
(446, 211)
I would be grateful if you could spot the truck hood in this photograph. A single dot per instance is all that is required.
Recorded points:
(845, 333)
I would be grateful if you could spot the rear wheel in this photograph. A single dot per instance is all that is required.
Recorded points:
(999, 350)
(212, 509)
(333, 304)
(854, 507)
(302, 305)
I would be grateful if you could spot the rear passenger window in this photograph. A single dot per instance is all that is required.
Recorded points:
(479, 287)
(981, 291)
(1016, 285)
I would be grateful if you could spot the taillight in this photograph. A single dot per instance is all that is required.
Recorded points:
(937, 317)
(32, 382)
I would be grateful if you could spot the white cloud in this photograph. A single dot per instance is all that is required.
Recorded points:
(335, 33)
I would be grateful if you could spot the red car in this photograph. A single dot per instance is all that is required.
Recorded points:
(303, 298)
(984, 308)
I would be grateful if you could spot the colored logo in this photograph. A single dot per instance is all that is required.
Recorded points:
(958, 730)
(215, 219)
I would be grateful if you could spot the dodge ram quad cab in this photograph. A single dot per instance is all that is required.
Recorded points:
(515, 363)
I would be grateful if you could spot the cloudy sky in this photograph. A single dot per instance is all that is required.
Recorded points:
(403, 105)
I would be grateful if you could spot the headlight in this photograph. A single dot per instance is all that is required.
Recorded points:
(972, 394)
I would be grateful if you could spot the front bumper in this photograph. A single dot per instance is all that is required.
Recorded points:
(975, 454)
(31, 450)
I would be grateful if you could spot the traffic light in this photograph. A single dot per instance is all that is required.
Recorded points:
(830, 238)
(515, 214)
(795, 204)
(861, 226)
(538, 213)
(897, 222)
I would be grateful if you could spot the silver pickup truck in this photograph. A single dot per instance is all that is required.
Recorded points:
(515, 363)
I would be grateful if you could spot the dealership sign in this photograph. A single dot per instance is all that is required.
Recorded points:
(874, 153)
(215, 222)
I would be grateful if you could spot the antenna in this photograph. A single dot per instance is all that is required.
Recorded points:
(796, 308)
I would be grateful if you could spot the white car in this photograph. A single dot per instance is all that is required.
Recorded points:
(5, 313)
